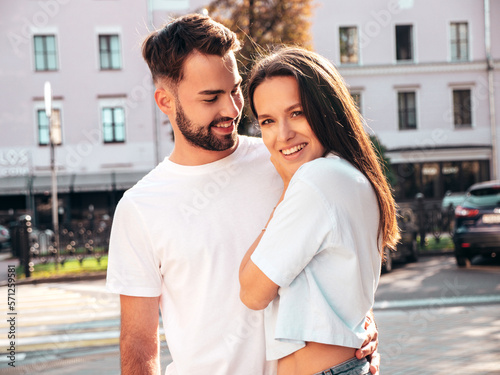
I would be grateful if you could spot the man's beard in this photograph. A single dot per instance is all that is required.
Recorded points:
(203, 136)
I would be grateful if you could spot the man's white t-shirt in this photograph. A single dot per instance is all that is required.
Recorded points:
(321, 248)
(181, 232)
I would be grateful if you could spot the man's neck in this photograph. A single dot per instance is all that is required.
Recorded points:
(189, 155)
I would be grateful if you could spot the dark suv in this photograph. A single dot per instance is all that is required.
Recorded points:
(407, 248)
(477, 223)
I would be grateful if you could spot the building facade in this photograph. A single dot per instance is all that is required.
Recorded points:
(109, 132)
(424, 75)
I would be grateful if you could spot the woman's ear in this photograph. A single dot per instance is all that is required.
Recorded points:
(165, 100)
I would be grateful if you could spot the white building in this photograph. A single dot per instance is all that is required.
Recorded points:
(426, 88)
(418, 68)
(112, 134)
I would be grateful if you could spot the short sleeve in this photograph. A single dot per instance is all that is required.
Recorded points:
(133, 268)
(301, 226)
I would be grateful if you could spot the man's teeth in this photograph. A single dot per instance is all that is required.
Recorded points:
(227, 125)
(294, 149)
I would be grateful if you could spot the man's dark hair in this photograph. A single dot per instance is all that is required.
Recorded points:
(166, 50)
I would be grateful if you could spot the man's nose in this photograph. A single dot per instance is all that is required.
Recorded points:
(232, 107)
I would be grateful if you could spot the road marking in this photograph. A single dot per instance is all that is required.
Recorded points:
(436, 302)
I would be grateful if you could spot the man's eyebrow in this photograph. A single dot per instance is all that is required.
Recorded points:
(211, 92)
(217, 92)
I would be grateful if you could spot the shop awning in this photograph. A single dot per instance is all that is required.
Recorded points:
(43, 184)
(90, 182)
(14, 185)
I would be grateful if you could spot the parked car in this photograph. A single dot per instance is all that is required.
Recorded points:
(451, 200)
(407, 248)
(477, 223)
(4, 237)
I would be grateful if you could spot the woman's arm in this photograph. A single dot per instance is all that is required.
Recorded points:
(256, 289)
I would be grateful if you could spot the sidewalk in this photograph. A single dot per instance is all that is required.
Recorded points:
(5, 260)
(81, 361)
(427, 340)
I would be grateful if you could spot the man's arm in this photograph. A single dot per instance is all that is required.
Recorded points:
(369, 348)
(139, 338)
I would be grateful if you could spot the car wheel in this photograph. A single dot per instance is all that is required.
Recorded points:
(462, 261)
(387, 263)
(413, 256)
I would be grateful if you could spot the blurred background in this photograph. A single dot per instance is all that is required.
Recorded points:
(79, 126)
(422, 73)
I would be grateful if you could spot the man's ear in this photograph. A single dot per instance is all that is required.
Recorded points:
(165, 100)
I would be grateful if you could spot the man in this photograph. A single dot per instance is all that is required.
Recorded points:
(180, 234)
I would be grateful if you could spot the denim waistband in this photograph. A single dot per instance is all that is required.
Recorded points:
(352, 366)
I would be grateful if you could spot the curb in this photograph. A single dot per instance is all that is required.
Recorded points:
(436, 253)
(60, 279)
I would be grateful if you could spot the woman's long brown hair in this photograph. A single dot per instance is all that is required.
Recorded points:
(334, 118)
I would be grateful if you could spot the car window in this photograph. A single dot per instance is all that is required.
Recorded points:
(485, 197)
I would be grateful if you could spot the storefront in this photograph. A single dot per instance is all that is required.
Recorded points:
(434, 179)
(78, 196)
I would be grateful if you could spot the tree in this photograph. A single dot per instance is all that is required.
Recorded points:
(260, 24)
(385, 162)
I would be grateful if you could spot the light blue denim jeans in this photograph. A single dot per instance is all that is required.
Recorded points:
(352, 366)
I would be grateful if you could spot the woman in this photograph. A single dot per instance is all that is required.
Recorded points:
(316, 265)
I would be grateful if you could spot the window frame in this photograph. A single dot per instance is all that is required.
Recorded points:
(457, 43)
(412, 58)
(113, 124)
(358, 102)
(45, 53)
(470, 110)
(355, 46)
(406, 110)
(108, 52)
(39, 110)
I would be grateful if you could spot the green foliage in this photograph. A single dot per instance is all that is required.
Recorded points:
(380, 149)
(260, 24)
(69, 267)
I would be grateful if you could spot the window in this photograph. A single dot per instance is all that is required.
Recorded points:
(348, 45)
(459, 41)
(45, 52)
(431, 180)
(404, 43)
(435, 179)
(462, 108)
(44, 129)
(109, 52)
(356, 96)
(113, 124)
(407, 108)
(408, 182)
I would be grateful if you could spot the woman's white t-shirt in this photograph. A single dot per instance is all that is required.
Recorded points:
(321, 249)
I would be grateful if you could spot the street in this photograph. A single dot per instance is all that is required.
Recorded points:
(436, 318)
(433, 318)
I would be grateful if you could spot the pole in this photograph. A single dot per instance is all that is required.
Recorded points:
(55, 202)
(491, 90)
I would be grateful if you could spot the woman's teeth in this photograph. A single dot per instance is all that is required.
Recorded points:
(294, 149)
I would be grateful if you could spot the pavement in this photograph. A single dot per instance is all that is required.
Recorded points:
(73, 328)
(430, 341)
